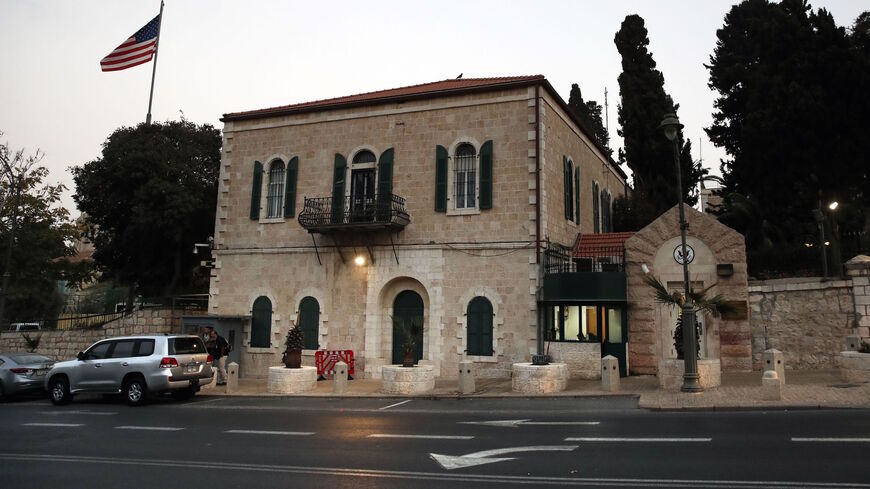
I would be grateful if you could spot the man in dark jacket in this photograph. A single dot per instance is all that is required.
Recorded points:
(218, 348)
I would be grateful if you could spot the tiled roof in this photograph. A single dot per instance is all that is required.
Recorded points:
(586, 243)
(439, 88)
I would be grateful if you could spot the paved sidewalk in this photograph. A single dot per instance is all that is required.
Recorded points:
(803, 389)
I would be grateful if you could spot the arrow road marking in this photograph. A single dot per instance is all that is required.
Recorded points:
(513, 423)
(451, 462)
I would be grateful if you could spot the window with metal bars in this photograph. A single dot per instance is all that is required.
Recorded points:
(275, 197)
(465, 176)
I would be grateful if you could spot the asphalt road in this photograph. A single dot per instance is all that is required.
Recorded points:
(395, 443)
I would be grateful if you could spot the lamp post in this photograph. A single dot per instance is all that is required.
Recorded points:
(820, 221)
(837, 268)
(671, 127)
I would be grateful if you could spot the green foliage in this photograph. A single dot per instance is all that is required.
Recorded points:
(294, 340)
(648, 154)
(633, 211)
(716, 305)
(589, 113)
(410, 330)
(32, 342)
(152, 195)
(791, 114)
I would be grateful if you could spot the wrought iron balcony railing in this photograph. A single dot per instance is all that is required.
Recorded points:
(327, 214)
(561, 259)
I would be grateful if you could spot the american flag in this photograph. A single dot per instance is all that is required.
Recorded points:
(138, 49)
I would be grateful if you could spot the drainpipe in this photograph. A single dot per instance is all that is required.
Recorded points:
(539, 306)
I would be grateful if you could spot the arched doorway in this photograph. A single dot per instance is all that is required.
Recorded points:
(407, 309)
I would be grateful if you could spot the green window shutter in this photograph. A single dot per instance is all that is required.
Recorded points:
(486, 175)
(290, 188)
(261, 323)
(440, 179)
(385, 185)
(338, 177)
(256, 188)
(565, 180)
(309, 321)
(577, 195)
(479, 327)
(595, 208)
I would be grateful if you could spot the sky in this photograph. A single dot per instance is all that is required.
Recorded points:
(221, 56)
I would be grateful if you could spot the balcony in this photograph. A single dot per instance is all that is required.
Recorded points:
(587, 273)
(326, 215)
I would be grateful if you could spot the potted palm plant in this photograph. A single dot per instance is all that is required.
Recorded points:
(293, 348)
(409, 329)
(716, 305)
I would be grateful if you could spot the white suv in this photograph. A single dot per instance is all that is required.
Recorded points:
(133, 366)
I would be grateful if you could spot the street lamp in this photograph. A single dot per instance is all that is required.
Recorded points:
(837, 268)
(671, 127)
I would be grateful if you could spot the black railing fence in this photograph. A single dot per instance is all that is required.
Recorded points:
(561, 259)
(328, 211)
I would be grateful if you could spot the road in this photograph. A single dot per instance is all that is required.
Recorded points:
(396, 443)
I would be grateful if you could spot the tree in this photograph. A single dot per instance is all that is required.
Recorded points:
(34, 239)
(151, 196)
(648, 154)
(791, 111)
(589, 113)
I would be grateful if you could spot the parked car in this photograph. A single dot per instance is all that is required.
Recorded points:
(135, 367)
(24, 327)
(22, 372)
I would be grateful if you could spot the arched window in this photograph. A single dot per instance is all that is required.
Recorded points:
(309, 322)
(275, 197)
(479, 321)
(261, 323)
(465, 176)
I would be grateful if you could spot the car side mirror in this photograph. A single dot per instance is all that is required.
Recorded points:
(80, 355)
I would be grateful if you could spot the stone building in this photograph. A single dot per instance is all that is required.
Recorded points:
(426, 205)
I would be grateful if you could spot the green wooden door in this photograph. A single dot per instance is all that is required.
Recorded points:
(261, 323)
(407, 310)
(479, 320)
(309, 320)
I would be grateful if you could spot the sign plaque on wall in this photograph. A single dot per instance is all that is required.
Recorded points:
(678, 254)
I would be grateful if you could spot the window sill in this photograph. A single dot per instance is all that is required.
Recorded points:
(260, 350)
(463, 212)
(271, 220)
(483, 359)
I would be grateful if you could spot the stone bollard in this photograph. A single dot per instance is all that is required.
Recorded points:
(339, 380)
(466, 377)
(852, 343)
(232, 377)
(772, 360)
(610, 373)
(771, 386)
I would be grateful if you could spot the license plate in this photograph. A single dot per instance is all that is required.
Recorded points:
(41, 372)
(192, 368)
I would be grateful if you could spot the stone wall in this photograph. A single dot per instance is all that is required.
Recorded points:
(805, 318)
(64, 344)
(583, 359)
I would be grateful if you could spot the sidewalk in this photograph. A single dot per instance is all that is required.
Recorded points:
(803, 389)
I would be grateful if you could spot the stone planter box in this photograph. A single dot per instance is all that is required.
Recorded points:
(671, 373)
(854, 366)
(284, 380)
(539, 379)
(419, 379)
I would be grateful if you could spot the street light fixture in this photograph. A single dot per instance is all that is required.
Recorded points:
(671, 127)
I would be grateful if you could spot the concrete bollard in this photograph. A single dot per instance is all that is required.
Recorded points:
(852, 343)
(339, 380)
(466, 377)
(772, 360)
(610, 373)
(232, 377)
(771, 386)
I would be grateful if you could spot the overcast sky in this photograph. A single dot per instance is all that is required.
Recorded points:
(222, 56)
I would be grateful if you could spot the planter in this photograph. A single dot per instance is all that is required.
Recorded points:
(419, 379)
(854, 366)
(671, 373)
(292, 358)
(291, 380)
(527, 378)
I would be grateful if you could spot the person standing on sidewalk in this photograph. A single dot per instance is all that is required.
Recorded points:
(218, 348)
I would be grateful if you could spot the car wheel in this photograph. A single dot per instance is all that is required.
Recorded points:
(58, 391)
(134, 391)
(183, 394)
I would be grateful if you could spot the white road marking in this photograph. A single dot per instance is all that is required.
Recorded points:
(422, 437)
(263, 432)
(63, 425)
(642, 440)
(148, 428)
(451, 462)
(833, 440)
(513, 423)
(396, 404)
(91, 413)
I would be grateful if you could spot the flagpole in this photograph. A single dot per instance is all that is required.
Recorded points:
(154, 68)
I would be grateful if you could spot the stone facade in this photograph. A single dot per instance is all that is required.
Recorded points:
(447, 258)
(583, 359)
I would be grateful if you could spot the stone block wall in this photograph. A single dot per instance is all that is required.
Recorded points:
(583, 359)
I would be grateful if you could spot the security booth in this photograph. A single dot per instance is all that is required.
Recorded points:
(230, 327)
(584, 303)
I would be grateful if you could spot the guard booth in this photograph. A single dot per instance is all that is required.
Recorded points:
(230, 327)
(584, 300)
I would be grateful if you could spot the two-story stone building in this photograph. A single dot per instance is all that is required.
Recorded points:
(428, 204)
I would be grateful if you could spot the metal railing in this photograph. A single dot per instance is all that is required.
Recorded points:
(329, 212)
(562, 259)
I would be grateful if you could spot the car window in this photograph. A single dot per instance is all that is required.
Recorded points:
(123, 349)
(144, 348)
(29, 359)
(186, 345)
(98, 351)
